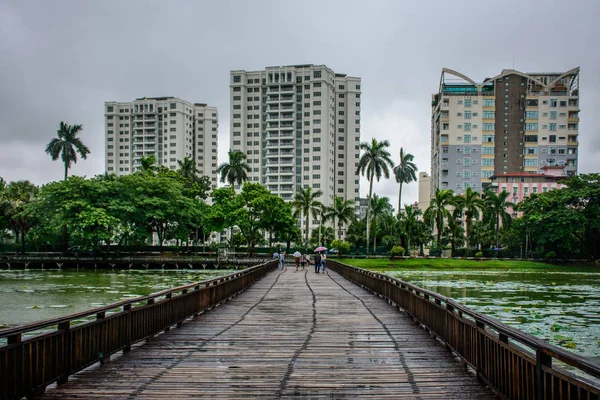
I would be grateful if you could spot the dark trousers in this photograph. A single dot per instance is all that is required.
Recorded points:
(317, 267)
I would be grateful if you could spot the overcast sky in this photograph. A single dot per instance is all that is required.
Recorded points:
(61, 60)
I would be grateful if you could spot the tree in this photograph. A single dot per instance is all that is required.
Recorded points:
(148, 164)
(567, 220)
(187, 169)
(356, 233)
(438, 210)
(496, 205)
(253, 207)
(453, 232)
(17, 197)
(305, 203)
(342, 211)
(236, 170)
(67, 145)
(375, 162)
(409, 221)
(469, 204)
(405, 172)
(379, 207)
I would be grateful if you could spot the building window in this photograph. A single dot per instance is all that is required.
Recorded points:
(236, 79)
(467, 114)
(489, 127)
(553, 127)
(316, 74)
(531, 127)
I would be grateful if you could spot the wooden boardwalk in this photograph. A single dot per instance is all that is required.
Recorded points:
(292, 334)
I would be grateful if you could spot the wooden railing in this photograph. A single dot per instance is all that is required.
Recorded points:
(30, 360)
(515, 364)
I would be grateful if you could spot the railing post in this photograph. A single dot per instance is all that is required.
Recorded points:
(541, 360)
(169, 296)
(480, 348)
(128, 328)
(183, 292)
(66, 356)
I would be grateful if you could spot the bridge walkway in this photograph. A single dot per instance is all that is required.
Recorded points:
(291, 334)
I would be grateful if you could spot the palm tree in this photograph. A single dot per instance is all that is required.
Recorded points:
(67, 145)
(379, 207)
(409, 221)
(236, 170)
(343, 211)
(374, 163)
(454, 232)
(305, 203)
(187, 169)
(147, 164)
(438, 211)
(405, 172)
(469, 204)
(496, 205)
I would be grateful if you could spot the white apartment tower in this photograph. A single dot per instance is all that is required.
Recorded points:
(513, 123)
(299, 125)
(166, 127)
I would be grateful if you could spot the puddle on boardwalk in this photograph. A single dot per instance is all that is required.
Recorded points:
(33, 295)
(560, 306)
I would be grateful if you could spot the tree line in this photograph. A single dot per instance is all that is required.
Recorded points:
(157, 204)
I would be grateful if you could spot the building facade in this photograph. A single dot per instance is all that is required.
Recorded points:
(168, 128)
(299, 126)
(521, 185)
(514, 122)
(424, 191)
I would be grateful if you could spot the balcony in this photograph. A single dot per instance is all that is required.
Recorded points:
(287, 170)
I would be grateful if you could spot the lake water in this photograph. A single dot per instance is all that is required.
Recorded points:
(34, 295)
(560, 305)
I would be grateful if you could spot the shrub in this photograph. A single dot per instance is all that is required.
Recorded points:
(551, 255)
(341, 246)
(397, 251)
(479, 254)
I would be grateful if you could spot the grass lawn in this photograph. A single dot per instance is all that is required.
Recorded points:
(448, 263)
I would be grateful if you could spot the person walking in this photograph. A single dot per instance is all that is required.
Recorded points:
(281, 259)
(297, 257)
(305, 261)
(323, 260)
(317, 262)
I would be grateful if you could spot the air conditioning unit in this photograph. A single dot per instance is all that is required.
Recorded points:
(544, 162)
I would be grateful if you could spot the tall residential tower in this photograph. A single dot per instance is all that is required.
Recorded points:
(299, 126)
(168, 128)
(512, 123)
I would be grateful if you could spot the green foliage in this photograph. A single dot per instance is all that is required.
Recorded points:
(479, 254)
(551, 255)
(66, 145)
(405, 172)
(374, 163)
(305, 203)
(397, 251)
(341, 246)
(567, 220)
(236, 170)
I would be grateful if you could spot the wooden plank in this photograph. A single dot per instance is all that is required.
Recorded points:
(292, 334)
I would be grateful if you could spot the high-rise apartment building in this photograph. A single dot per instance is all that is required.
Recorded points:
(168, 128)
(512, 123)
(299, 126)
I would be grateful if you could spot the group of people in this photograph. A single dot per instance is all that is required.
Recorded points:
(302, 260)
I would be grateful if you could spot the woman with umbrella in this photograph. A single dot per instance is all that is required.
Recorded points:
(320, 258)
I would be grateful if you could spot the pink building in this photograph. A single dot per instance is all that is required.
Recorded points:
(522, 184)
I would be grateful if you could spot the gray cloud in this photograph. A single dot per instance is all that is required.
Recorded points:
(62, 60)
